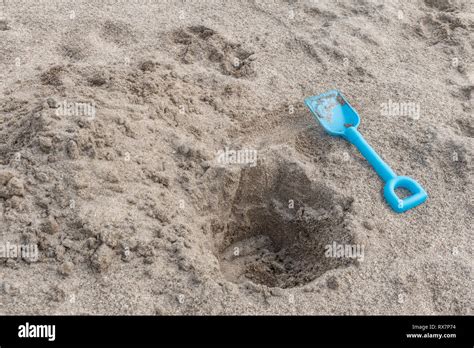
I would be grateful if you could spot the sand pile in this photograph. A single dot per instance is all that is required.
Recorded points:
(165, 163)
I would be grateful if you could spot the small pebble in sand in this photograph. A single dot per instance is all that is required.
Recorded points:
(15, 187)
(332, 283)
(5, 177)
(50, 226)
(4, 25)
(91, 243)
(11, 289)
(66, 268)
(68, 243)
(52, 103)
(149, 260)
(109, 238)
(368, 225)
(126, 254)
(102, 258)
(97, 80)
(205, 165)
(11, 263)
(56, 294)
(158, 232)
(401, 298)
(159, 310)
(59, 252)
(277, 292)
(72, 149)
(45, 144)
(147, 65)
(184, 149)
(16, 203)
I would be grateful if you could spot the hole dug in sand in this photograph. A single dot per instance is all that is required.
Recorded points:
(280, 225)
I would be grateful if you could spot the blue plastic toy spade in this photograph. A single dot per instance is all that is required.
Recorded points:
(338, 118)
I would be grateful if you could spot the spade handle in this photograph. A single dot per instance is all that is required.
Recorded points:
(392, 181)
(382, 168)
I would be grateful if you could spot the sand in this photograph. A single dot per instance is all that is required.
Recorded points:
(160, 157)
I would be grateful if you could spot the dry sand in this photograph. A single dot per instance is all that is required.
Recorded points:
(112, 116)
